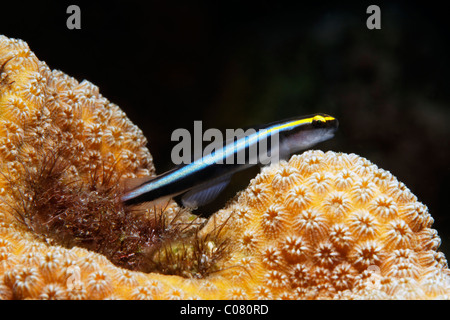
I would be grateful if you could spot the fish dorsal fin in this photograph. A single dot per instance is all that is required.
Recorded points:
(132, 183)
(205, 193)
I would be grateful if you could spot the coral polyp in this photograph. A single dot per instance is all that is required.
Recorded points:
(65, 150)
(319, 226)
(343, 219)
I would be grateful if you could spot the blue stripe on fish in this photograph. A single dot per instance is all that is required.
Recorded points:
(202, 180)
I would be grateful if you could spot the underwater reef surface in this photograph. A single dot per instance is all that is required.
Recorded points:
(319, 226)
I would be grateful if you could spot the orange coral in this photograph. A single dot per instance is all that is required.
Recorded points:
(341, 221)
(321, 226)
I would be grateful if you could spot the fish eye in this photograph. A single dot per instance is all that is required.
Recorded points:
(318, 122)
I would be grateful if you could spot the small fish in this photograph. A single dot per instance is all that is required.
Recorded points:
(201, 181)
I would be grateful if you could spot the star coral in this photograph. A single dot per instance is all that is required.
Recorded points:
(320, 226)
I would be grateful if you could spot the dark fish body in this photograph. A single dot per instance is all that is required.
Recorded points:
(203, 179)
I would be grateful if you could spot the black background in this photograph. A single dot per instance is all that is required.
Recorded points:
(232, 64)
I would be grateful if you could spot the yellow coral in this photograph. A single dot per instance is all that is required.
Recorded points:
(320, 226)
(342, 220)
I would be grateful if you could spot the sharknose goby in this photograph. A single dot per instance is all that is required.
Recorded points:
(201, 181)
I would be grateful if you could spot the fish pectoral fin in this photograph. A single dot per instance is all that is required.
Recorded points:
(153, 206)
(205, 193)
